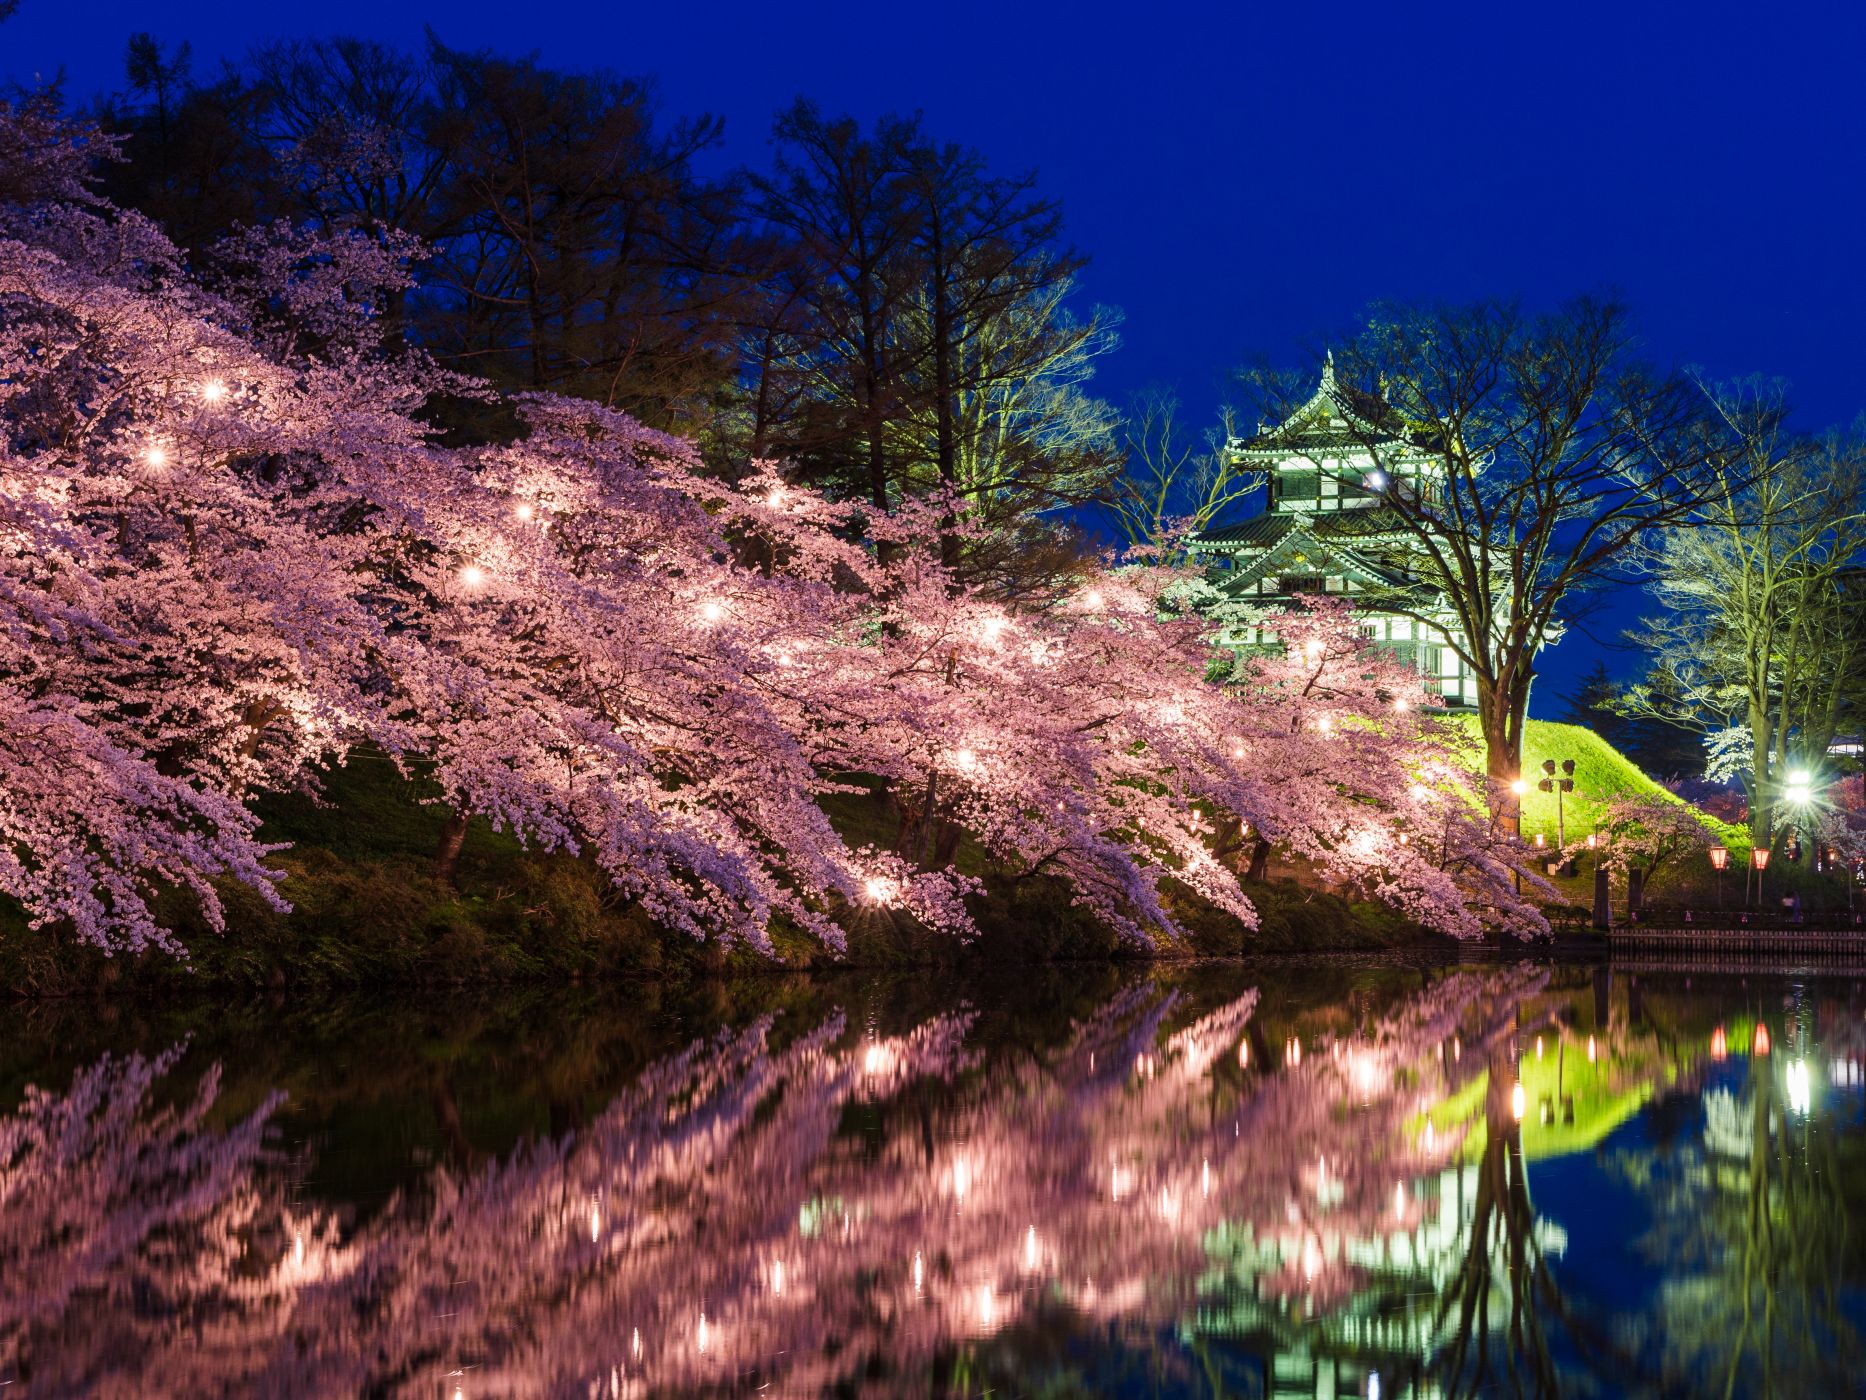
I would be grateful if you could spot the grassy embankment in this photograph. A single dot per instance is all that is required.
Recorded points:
(1602, 773)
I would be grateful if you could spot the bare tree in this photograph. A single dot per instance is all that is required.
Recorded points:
(1019, 438)
(992, 341)
(915, 338)
(1521, 458)
(162, 78)
(1167, 487)
(839, 198)
(1761, 621)
(588, 256)
(353, 124)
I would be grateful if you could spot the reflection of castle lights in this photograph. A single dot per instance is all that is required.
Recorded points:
(1799, 1094)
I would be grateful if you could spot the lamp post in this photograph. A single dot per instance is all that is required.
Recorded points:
(1558, 785)
(1720, 857)
(1759, 861)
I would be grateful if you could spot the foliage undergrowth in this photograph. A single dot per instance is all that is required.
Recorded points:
(367, 909)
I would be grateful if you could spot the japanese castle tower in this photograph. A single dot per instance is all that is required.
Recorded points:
(1326, 531)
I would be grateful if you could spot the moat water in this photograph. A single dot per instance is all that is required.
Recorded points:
(1326, 1177)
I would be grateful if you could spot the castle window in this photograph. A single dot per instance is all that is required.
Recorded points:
(1296, 486)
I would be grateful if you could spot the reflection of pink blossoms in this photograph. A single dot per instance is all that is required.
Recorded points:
(115, 1215)
(717, 1226)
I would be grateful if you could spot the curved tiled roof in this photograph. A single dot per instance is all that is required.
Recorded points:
(1366, 418)
(1261, 532)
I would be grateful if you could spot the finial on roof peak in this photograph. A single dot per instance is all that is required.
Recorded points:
(1328, 369)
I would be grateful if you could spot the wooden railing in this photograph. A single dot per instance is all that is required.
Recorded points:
(1758, 935)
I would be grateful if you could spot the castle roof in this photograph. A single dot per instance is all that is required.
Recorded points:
(1302, 544)
(1335, 415)
(1263, 531)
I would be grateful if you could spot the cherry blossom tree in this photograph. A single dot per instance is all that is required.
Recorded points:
(235, 549)
(1838, 827)
(1645, 832)
(174, 633)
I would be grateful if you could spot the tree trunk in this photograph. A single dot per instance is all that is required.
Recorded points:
(1761, 781)
(447, 1119)
(1501, 712)
(929, 803)
(1259, 861)
(447, 852)
(944, 446)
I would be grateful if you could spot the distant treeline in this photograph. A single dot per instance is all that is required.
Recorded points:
(876, 308)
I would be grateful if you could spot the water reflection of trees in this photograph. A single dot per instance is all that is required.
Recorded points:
(1752, 1225)
(839, 1207)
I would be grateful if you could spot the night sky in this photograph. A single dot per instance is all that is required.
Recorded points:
(1246, 180)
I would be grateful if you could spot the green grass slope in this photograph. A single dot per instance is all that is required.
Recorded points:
(1601, 774)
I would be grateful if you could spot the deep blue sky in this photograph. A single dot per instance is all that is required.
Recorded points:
(1248, 178)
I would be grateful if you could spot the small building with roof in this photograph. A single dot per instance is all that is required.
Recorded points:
(1330, 467)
